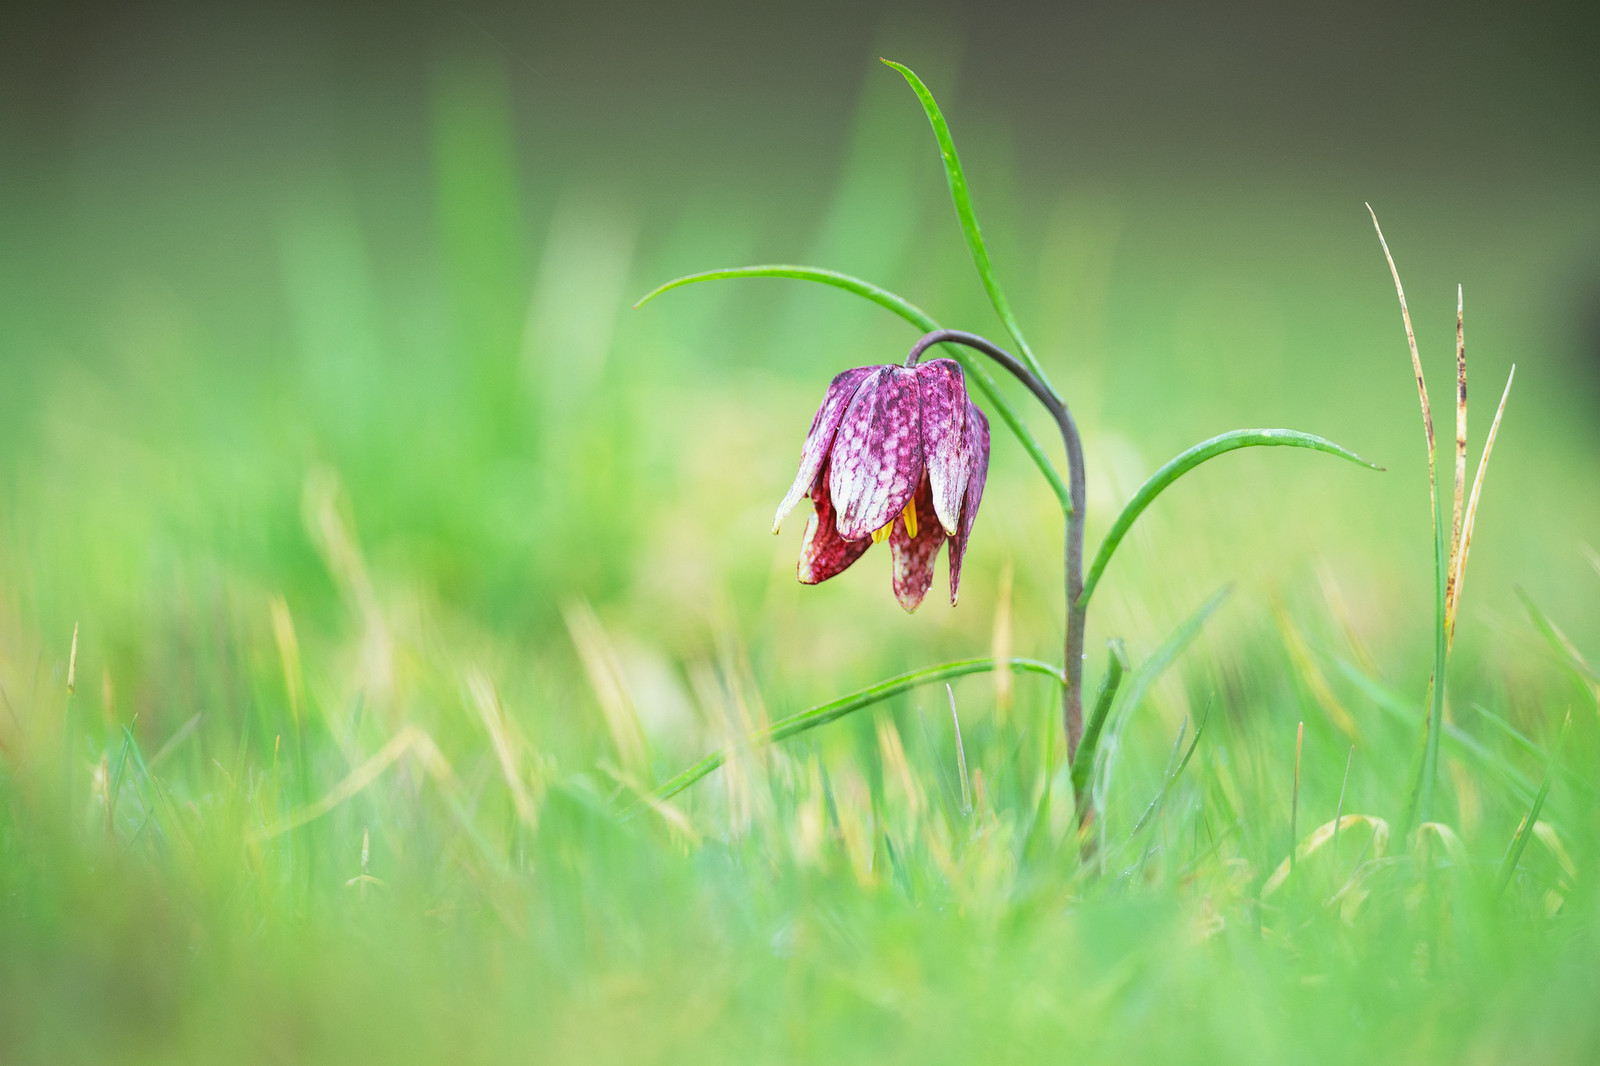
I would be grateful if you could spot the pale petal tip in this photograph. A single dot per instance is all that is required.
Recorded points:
(785, 508)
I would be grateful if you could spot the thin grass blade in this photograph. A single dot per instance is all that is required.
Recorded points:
(1338, 811)
(1460, 574)
(1519, 842)
(1145, 676)
(1401, 710)
(1450, 592)
(1411, 341)
(961, 752)
(1174, 646)
(1421, 800)
(1568, 652)
(1172, 777)
(1294, 800)
(1529, 747)
(1182, 464)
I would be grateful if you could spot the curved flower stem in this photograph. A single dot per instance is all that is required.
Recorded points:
(912, 314)
(1077, 608)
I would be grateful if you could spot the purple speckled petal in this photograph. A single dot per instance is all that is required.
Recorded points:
(824, 553)
(820, 439)
(914, 556)
(944, 419)
(877, 454)
(977, 452)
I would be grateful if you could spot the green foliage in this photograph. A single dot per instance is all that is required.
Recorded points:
(372, 653)
(971, 365)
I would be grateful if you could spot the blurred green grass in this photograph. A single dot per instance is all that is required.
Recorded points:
(516, 538)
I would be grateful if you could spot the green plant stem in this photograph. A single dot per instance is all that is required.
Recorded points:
(1077, 610)
(917, 317)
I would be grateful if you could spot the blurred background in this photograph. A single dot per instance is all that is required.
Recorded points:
(383, 256)
(323, 406)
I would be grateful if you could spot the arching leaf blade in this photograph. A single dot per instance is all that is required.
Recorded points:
(1137, 684)
(976, 372)
(1187, 461)
(876, 293)
(822, 714)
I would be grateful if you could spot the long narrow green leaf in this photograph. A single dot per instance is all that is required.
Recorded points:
(1155, 665)
(1421, 805)
(1182, 464)
(1508, 866)
(795, 724)
(1083, 761)
(115, 790)
(878, 295)
(909, 311)
(1171, 778)
(1518, 738)
(1403, 711)
(1565, 651)
(1174, 646)
(969, 218)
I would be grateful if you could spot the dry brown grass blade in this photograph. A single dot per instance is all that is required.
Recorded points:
(410, 740)
(1416, 360)
(600, 663)
(72, 663)
(493, 715)
(283, 635)
(1320, 836)
(1305, 665)
(1458, 575)
(1461, 460)
(1294, 801)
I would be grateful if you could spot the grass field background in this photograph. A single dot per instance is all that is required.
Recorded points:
(361, 551)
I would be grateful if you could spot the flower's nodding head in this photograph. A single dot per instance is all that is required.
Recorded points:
(898, 454)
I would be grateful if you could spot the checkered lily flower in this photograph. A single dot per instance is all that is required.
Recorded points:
(895, 453)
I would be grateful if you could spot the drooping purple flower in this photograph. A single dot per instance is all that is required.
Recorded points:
(894, 453)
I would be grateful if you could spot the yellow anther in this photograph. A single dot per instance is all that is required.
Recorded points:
(910, 515)
(881, 535)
